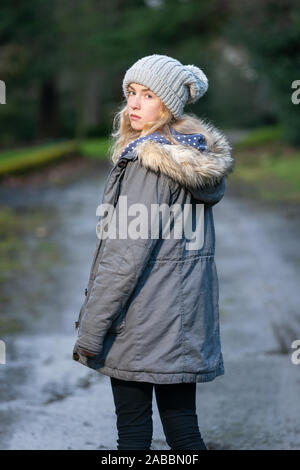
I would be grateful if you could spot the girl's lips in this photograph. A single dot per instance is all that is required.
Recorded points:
(132, 116)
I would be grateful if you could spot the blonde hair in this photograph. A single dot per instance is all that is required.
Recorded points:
(123, 133)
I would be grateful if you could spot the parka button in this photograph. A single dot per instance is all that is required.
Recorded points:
(122, 164)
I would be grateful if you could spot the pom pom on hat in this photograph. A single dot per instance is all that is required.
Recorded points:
(198, 83)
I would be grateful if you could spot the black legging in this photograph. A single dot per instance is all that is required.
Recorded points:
(177, 408)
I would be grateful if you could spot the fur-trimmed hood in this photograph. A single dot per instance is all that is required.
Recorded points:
(186, 164)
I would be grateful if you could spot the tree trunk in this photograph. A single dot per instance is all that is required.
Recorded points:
(48, 110)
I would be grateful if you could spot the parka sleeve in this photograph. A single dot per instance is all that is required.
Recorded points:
(212, 194)
(123, 260)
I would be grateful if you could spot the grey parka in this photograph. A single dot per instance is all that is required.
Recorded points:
(151, 311)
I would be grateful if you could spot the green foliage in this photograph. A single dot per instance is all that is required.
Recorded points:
(261, 135)
(25, 159)
(266, 168)
(94, 148)
(81, 50)
(15, 161)
(269, 31)
(271, 178)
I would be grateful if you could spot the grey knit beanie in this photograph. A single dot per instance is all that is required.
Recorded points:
(175, 84)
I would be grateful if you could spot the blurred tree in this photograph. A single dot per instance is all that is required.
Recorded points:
(102, 39)
(72, 56)
(30, 57)
(270, 32)
(64, 62)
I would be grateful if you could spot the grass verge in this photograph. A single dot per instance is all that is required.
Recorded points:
(269, 167)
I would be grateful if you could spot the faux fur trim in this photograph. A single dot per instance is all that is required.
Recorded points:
(186, 164)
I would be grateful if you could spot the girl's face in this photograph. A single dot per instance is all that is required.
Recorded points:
(143, 103)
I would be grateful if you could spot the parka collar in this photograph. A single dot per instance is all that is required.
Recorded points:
(191, 165)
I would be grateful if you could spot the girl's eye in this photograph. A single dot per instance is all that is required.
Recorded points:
(131, 91)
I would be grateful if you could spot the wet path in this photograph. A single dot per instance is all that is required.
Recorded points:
(48, 401)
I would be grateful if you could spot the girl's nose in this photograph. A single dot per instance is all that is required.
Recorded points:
(135, 102)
